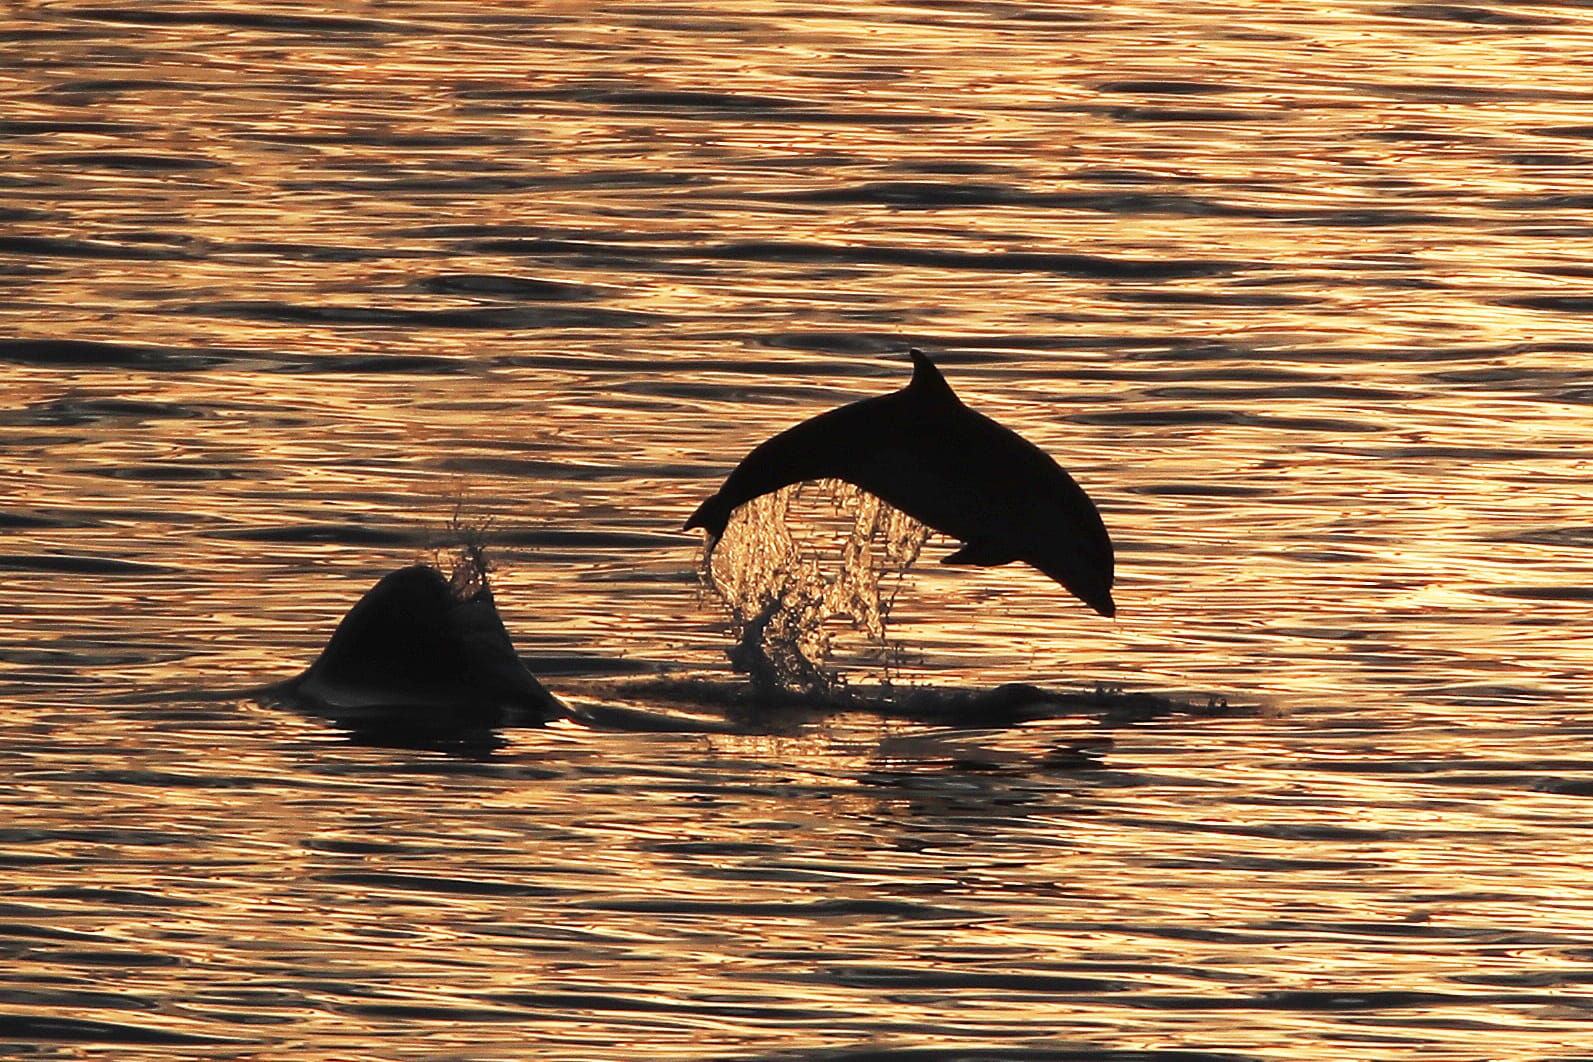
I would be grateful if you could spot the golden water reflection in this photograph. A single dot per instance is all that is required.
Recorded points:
(1296, 291)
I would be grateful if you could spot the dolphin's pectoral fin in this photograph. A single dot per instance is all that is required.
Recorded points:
(980, 554)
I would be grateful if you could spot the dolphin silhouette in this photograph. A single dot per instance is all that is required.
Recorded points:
(945, 465)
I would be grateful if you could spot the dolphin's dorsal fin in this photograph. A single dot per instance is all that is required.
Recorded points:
(927, 381)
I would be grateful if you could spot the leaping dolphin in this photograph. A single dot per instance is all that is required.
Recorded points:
(956, 470)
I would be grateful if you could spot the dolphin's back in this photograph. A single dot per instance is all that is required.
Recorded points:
(824, 447)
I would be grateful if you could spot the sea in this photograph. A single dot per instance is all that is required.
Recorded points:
(295, 294)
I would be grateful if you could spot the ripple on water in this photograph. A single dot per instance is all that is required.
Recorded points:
(284, 22)
(30, 1029)
(497, 285)
(497, 318)
(1473, 16)
(1101, 267)
(81, 565)
(124, 160)
(1306, 316)
(428, 885)
(107, 354)
(69, 412)
(67, 247)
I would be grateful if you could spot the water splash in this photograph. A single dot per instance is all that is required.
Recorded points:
(460, 549)
(794, 565)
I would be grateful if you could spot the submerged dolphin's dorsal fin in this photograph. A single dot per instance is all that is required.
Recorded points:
(927, 381)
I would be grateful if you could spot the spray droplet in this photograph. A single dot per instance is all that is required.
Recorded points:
(796, 564)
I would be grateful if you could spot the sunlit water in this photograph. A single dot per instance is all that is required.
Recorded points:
(1298, 292)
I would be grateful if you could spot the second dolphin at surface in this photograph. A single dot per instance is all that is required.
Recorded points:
(923, 451)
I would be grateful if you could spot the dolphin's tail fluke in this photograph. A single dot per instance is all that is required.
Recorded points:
(712, 515)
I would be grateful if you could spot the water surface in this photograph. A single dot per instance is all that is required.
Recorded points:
(1298, 293)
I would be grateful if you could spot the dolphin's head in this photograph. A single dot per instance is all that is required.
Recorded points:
(1102, 603)
(1080, 558)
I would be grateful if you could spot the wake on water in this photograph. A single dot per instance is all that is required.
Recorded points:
(810, 571)
(423, 657)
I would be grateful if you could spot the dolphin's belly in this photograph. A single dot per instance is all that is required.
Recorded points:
(944, 491)
(991, 488)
